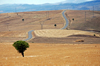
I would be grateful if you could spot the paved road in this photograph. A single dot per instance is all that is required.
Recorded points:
(29, 35)
(65, 19)
(30, 32)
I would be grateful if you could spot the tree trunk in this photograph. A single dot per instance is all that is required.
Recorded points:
(23, 54)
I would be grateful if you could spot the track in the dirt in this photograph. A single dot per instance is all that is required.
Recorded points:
(30, 32)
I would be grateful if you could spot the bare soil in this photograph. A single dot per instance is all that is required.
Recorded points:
(67, 40)
(65, 36)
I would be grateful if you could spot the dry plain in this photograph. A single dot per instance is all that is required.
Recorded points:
(43, 52)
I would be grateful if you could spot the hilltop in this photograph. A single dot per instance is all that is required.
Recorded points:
(90, 5)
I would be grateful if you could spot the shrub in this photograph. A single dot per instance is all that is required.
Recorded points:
(73, 19)
(21, 46)
(94, 35)
(55, 25)
(22, 19)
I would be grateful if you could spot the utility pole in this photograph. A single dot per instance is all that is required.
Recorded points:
(93, 11)
(41, 23)
(41, 26)
(7, 14)
(85, 16)
(15, 9)
(48, 14)
(7, 26)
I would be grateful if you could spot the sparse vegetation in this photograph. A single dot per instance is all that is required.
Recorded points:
(84, 21)
(55, 25)
(73, 19)
(21, 46)
(22, 19)
(94, 35)
(50, 45)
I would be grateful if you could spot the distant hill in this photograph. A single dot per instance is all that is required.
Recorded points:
(6, 8)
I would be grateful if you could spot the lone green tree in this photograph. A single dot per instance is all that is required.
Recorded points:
(21, 46)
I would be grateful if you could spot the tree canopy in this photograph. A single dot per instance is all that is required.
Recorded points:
(21, 46)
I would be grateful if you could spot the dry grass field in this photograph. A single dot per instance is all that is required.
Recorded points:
(12, 27)
(50, 46)
(84, 20)
(57, 36)
(12, 36)
(44, 54)
(61, 33)
(32, 20)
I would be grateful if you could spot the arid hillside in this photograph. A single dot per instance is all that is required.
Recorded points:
(50, 46)
(12, 27)
(32, 20)
(84, 20)
(78, 22)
